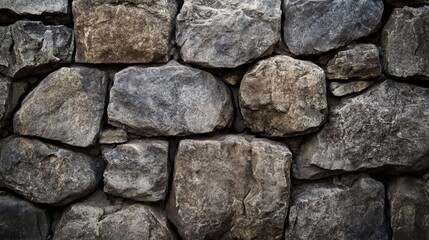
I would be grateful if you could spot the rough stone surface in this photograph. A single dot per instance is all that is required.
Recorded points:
(113, 136)
(282, 96)
(169, 100)
(230, 187)
(409, 207)
(32, 7)
(66, 106)
(405, 41)
(402, 3)
(227, 33)
(314, 27)
(136, 31)
(31, 48)
(10, 94)
(340, 89)
(98, 218)
(348, 209)
(45, 173)
(359, 61)
(383, 129)
(20, 219)
(137, 170)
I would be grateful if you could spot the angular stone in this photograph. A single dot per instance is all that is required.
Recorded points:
(230, 187)
(409, 204)
(348, 209)
(10, 94)
(137, 31)
(113, 136)
(171, 100)
(31, 48)
(227, 33)
(32, 7)
(44, 173)
(340, 89)
(402, 3)
(384, 130)
(20, 219)
(359, 61)
(405, 42)
(137, 170)
(67, 106)
(281, 96)
(315, 27)
(98, 218)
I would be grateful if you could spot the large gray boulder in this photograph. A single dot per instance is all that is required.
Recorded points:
(352, 208)
(227, 33)
(99, 218)
(409, 204)
(314, 27)
(171, 100)
(406, 45)
(137, 170)
(384, 129)
(30, 48)
(44, 173)
(20, 219)
(67, 106)
(10, 94)
(126, 31)
(230, 187)
(35, 7)
(281, 96)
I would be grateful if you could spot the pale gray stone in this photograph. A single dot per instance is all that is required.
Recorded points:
(340, 89)
(35, 7)
(227, 33)
(137, 170)
(405, 40)
(67, 106)
(315, 27)
(281, 96)
(126, 31)
(170, 100)
(384, 129)
(113, 136)
(44, 173)
(230, 187)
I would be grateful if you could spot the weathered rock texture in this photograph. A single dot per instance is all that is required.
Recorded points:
(348, 209)
(340, 89)
(359, 61)
(66, 106)
(409, 207)
(98, 218)
(230, 187)
(126, 31)
(44, 173)
(406, 43)
(137, 170)
(171, 100)
(32, 7)
(31, 48)
(282, 96)
(112, 136)
(10, 94)
(314, 27)
(227, 33)
(20, 219)
(384, 129)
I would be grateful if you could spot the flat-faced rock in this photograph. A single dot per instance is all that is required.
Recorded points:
(348, 209)
(171, 100)
(359, 61)
(405, 42)
(340, 89)
(230, 187)
(35, 7)
(281, 96)
(67, 106)
(44, 173)
(136, 31)
(315, 27)
(10, 94)
(409, 204)
(113, 136)
(227, 33)
(382, 130)
(31, 48)
(137, 170)
(20, 219)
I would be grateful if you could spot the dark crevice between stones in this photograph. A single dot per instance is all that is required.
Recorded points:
(384, 179)
(8, 17)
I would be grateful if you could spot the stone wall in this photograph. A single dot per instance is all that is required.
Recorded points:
(201, 119)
